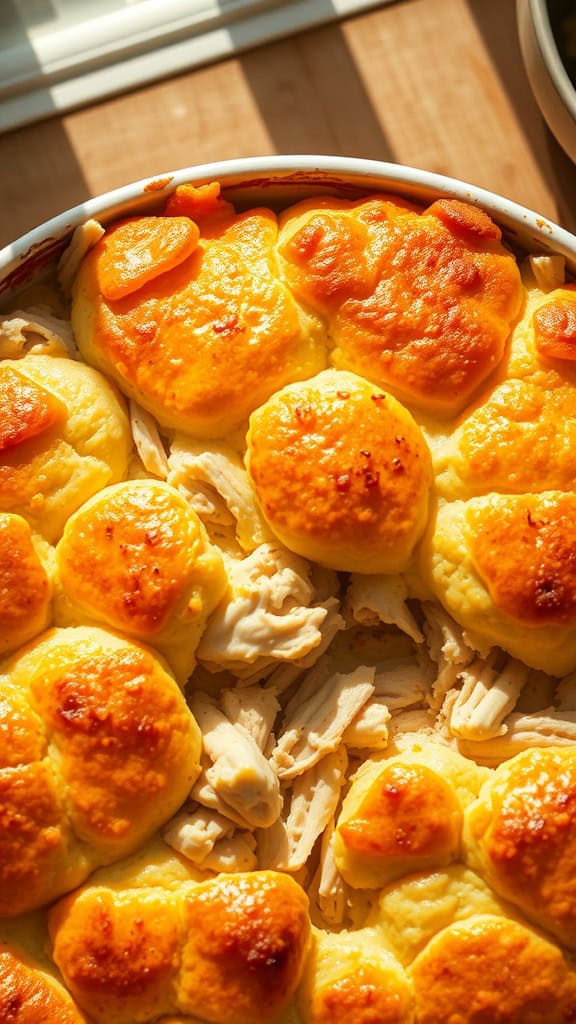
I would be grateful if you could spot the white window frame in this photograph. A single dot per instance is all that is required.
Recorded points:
(57, 70)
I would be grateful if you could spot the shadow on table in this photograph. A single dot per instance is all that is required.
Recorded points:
(316, 101)
(48, 146)
(496, 21)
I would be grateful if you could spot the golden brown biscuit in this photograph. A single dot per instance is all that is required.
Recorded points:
(521, 438)
(521, 836)
(488, 970)
(419, 303)
(554, 326)
(64, 435)
(97, 750)
(25, 583)
(230, 950)
(29, 995)
(201, 335)
(137, 558)
(505, 567)
(351, 979)
(404, 814)
(412, 911)
(341, 472)
(520, 435)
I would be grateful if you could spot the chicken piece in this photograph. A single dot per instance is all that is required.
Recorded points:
(317, 717)
(486, 698)
(332, 889)
(147, 440)
(210, 506)
(375, 599)
(266, 614)
(232, 854)
(539, 691)
(448, 649)
(401, 685)
(549, 272)
(240, 774)
(83, 239)
(550, 728)
(445, 636)
(193, 833)
(279, 677)
(203, 793)
(35, 332)
(253, 709)
(369, 730)
(282, 678)
(315, 797)
(220, 467)
(406, 726)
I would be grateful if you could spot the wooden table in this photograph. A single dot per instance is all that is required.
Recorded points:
(437, 84)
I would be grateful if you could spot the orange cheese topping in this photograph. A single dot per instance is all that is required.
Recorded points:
(527, 836)
(137, 251)
(120, 732)
(524, 548)
(419, 302)
(368, 996)
(410, 811)
(341, 464)
(26, 409)
(24, 585)
(28, 996)
(522, 438)
(133, 553)
(492, 970)
(555, 327)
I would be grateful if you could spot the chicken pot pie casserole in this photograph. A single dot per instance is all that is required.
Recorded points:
(288, 622)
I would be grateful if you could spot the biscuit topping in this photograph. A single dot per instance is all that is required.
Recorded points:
(27, 410)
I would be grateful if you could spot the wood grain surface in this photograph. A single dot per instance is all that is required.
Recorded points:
(437, 84)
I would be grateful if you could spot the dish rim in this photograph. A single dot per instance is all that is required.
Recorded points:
(32, 253)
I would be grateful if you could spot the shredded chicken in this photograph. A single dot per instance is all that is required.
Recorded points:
(550, 728)
(406, 724)
(84, 238)
(332, 889)
(220, 471)
(486, 698)
(267, 615)
(401, 685)
(207, 504)
(369, 729)
(549, 271)
(447, 648)
(382, 599)
(279, 677)
(315, 796)
(232, 854)
(240, 774)
(539, 691)
(147, 440)
(317, 718)
(193, 833)
(203, 793)
(37, 332)
(253, 709)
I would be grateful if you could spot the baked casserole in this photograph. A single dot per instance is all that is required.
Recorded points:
(288, 622)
